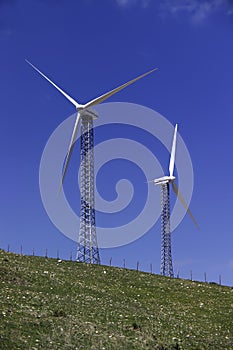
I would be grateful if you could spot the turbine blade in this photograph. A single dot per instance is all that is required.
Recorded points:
(103, 97)
(175, 189)
(173, 153)
(77, 105)
(71, 147)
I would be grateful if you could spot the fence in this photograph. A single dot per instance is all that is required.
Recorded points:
(72, 258)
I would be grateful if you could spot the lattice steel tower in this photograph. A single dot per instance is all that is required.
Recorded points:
(87, 250)
(166, 268)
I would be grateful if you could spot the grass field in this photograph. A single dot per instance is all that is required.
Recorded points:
(47, 304)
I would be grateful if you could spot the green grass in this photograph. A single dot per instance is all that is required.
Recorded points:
(46, 305)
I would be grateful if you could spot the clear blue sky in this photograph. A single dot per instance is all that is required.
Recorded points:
(89, 47)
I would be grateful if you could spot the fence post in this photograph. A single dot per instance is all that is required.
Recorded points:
(46, 253)
(178, 274)
(33, 252)
(124, 263)
(21, 250)
(58, 254)
(8, 248)
(151, 268)
(110, 262)
(205, 277)
(137, 265)
(191, 275)
(220, 280)
(71, 256)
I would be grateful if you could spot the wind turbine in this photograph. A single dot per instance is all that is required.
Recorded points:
(87, 241)
(166, 267)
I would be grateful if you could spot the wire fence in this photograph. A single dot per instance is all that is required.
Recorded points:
(72, 257)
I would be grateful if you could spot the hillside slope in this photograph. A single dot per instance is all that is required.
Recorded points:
(47, 304)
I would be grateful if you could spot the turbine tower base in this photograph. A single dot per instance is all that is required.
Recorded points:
(166, 268)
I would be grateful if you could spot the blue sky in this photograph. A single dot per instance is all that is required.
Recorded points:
(89, 47)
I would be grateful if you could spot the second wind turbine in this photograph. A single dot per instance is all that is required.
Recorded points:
(87, 250)
(166, 267)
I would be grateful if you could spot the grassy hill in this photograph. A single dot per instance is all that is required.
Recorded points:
(47, 304)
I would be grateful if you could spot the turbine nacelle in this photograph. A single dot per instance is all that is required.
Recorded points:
(80, 107)
(87, 112)
(163, 180)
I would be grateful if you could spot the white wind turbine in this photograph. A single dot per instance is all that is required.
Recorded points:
(166, 267)
(87, 241)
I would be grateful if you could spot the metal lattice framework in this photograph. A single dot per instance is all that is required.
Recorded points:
(166, 268)
(87, 251)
